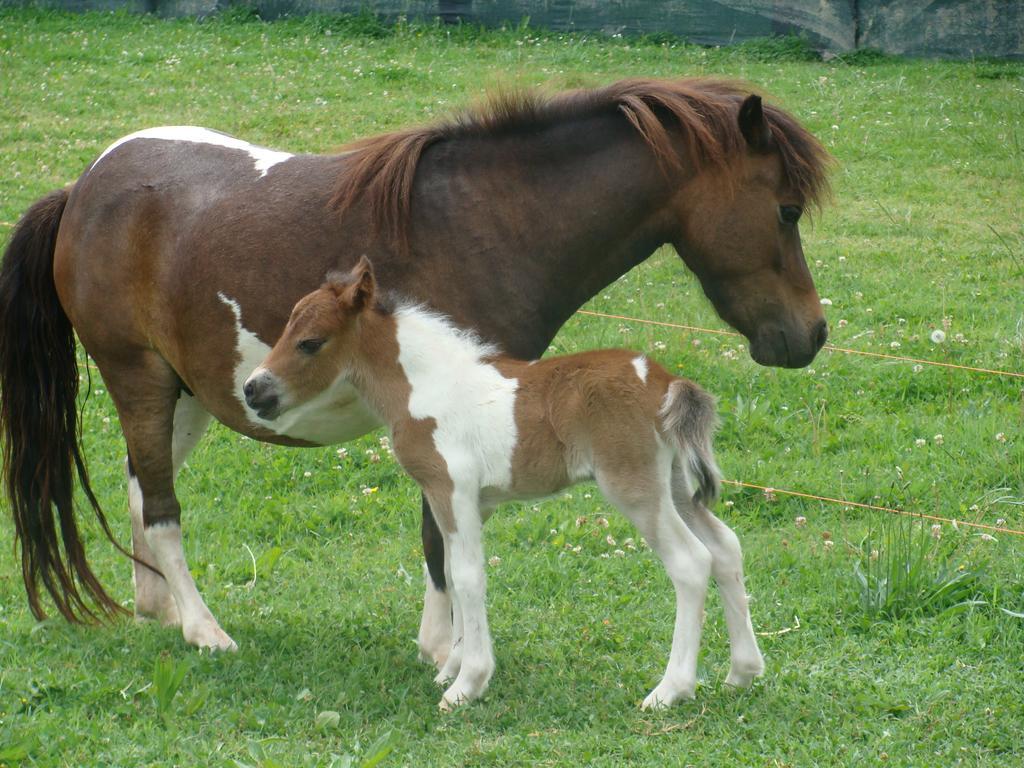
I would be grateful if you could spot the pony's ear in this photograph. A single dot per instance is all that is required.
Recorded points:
(358, 289)
(753, 125)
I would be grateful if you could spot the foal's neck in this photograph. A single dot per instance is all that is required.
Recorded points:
(410, 344)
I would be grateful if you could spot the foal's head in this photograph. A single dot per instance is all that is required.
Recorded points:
(316, 346)
(739, 233)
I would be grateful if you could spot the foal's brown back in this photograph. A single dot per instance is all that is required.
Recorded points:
(591, 408)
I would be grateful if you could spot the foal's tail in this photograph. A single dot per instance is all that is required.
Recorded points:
(690, 418)
(39, 421)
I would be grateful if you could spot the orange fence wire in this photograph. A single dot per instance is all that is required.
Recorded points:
(829, 347)
(832, 348)
(904, 512)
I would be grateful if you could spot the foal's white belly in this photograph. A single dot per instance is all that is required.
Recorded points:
(332, 417)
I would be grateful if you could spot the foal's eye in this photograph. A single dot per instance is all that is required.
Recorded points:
(310, 346)
(790, 214)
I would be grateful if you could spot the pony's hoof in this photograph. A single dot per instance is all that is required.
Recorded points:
(211, 638)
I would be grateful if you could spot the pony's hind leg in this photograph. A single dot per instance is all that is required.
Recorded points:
(688, 564)
(146, 395)
(727, 569)
(153, 598)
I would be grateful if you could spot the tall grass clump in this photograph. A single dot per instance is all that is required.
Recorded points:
(907, 569)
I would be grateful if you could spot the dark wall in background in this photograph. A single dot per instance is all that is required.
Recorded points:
(949, 28)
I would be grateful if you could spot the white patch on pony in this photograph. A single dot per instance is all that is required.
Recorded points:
(264, 158)
(472, 403)
(335, 415)
(640, 364)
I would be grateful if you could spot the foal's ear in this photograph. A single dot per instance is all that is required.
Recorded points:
(753, 124)
(359, 286)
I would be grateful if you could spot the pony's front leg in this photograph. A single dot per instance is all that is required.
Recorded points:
(435, 635)
(464, 549)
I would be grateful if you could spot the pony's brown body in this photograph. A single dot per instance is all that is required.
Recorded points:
(474, 428)
(179, 253)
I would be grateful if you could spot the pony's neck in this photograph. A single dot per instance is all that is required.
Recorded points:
(546, 219)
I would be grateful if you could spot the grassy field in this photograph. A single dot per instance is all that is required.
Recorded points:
(926, 233)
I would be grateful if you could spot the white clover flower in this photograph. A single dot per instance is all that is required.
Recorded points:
(842, 323)
(920, 442)
(610, 540)
(826, 302)
(894, 345)
(938, 440)
(1000, 437)
(917, 368)
(936, 531)
(494, 561)
(307, 473)
(342, 453)
(938, 336)
(619, 553)
(828, 544)
(800, 521)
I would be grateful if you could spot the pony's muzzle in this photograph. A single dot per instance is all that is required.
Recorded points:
(787, 347)
(261, 394)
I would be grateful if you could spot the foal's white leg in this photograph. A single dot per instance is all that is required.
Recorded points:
(688, 564)
(464, 550)
(435, 636)
(153, 598)
(727, 568)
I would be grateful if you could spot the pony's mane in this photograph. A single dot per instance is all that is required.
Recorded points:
(382, 168)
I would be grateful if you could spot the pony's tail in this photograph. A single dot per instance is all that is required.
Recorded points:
(689, 417)
(39, 422)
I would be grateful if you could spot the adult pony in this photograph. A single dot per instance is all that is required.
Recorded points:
(178, 255)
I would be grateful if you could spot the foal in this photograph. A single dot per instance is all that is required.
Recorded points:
(475, 428)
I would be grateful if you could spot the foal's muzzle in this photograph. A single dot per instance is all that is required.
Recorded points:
(261, 395)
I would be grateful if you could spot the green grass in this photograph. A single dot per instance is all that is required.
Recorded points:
(927, 226)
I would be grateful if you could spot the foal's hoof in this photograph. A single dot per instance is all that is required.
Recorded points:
(743, 675)
(664, 697)
(454, 698)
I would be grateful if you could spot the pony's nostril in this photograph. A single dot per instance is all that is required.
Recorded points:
(249, 389)
(822, 335)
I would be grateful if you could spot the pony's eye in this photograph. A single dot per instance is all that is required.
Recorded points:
(790, 214)
(310, 346)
